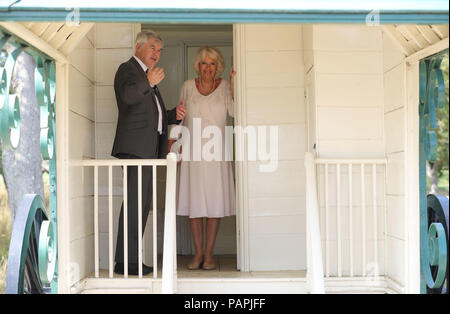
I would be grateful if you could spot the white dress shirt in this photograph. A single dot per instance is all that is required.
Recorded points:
(145, 68)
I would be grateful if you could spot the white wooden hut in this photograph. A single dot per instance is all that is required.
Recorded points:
(341, 211)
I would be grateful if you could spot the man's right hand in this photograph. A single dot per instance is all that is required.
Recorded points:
(155, 76)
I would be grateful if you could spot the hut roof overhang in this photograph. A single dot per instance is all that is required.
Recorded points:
(56, 27)
(230, 11)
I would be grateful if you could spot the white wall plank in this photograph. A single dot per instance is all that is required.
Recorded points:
(82, 259)
(287, 181)
(81, 94)
(395, 141)
(395, 131)
(282, 104)
(275, 252)
(114, 35)
(396, 216)
(277, 225)
(394, 88)
(105, 139)
(81, 181)
(341, 37)
(274, 80)
(396, 174)
(106, 108)
(81, 217)
(107, 63)
(282, 206)
(349, 90)
(396, 256)
(82, 58)
(348, 62)
(350, 123)
(273, 37)
(81, 146)
(81, 137)
(274, 69)
(392, 55)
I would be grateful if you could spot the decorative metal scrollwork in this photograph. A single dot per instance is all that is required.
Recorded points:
(47, 252)
(433, 232)
(9, 103)
(45, 92)
(32, 261)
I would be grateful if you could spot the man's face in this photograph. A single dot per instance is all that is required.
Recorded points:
(150, 52)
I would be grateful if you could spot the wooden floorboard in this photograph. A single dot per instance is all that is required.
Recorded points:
(226, 268)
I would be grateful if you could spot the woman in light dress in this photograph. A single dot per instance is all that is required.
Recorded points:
(206, 187)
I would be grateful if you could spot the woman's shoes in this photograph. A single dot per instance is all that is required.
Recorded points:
(194, 265)
(209, 266)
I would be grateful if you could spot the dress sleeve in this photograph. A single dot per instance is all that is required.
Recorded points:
(229, 102)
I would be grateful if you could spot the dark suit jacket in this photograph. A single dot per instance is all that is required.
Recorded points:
(137, 125)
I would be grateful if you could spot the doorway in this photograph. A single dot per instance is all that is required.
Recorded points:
(181, 43)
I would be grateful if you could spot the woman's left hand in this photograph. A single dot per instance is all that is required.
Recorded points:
(232, 74)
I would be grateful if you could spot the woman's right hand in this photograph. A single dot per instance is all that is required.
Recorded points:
(181, 110)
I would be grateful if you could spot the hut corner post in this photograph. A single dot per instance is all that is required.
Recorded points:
(314, 274)
(169, 271)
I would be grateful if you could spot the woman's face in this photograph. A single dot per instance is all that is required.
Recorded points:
(208, 68)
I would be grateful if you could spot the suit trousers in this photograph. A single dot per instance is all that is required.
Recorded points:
(132, 211)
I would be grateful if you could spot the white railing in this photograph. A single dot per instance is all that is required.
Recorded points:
(169, 267)
(346, 212)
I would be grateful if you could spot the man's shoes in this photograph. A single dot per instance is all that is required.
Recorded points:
(132, 269)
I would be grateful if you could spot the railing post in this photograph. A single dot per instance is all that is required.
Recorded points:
(169, 267)
(314, 274)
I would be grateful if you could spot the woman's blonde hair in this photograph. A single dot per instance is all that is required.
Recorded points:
(213, 53)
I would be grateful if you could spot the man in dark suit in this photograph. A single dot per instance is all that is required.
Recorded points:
(141, 134)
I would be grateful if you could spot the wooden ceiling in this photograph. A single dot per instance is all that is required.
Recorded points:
(62, 36)
(414, 38)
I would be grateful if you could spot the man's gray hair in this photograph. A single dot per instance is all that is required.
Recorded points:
(143, 36)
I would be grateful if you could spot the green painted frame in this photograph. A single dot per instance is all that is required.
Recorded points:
(433, 237)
